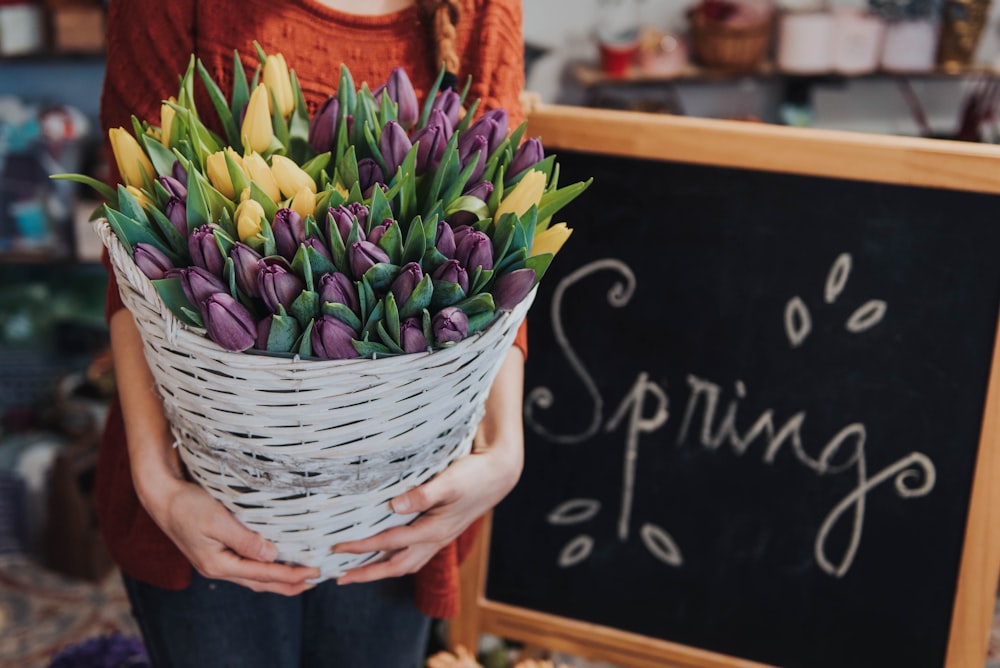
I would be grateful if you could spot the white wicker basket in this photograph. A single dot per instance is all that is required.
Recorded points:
(308, 452)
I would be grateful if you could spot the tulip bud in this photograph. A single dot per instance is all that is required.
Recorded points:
(431, 143)
(526, 194)
(400, 90)
(369, 174)
(439, 119)
(475, 249)
(249, 215)
(498, 126)
(289, 231)
(363, 255)
(528, 154)
(394, 145)
(228, 322)
(205, 251)
(317, 245)
(176, 212)
(331, 339)
(167, 114)
(173, 187)
(258, 171)
(452, 271)
(279, 83)
(481, 190)
(257, 131)
(289, 176)
(303, 202)
(337, 288)
(450, 325)
(278, 284)
(450, 104)
(134, 165)
(551, 240)
(218, 171)
(246, 266)
(199, 283)
(411, 336)
(323, 126)
(510, 289)
(444, 239)
(151, 260)
(379, 230)
(344, 215)
(406, 280)
(179, 173)
(476, 149)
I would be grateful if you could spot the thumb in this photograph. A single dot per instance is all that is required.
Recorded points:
(246, 543)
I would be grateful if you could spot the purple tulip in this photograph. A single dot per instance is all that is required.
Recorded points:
(394, 144)
(439, 119)
(363, 255)
(379, 230)
(179, 173)
(406, 281)
(151, 260)
(400, 90)
(444, 239)
(510, 289)
(527, 155)
(331, 339)
(431, 144)
(450, 103)
(344, 215)
(246, 263)
(205, 251)
(411, 336)
(263, 332)
(278, 285)
(369, 174)
(498, 126)
(176, 211)
(317, 245)
(453, 272)
(228, 322)
(289, 231)
(199, 284)
(450, 325)
(174, 187)
(474, 249)
(475, 149)
(338, 288)
(323, 127)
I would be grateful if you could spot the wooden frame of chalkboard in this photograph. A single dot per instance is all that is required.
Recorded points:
(916, 163)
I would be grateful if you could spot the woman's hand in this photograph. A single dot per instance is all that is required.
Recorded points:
(212, 539)
(460, 494)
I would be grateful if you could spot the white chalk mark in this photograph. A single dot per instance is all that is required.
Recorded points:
(798, 324)
(837, 278)
(574, 511)
(576, 551)
(866, 316)
(661, 544)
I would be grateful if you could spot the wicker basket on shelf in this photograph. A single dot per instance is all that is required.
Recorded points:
(721, 45)
(309, 452)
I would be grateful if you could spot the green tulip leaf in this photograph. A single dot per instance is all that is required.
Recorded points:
(347, 168)
(392, 243)
(466, 121)
(481, 303)
(267, 235)
(482, 280)
(416, 242)
(419, 299)
(539, 263)
(302, 265)
(374, 318)
(446, 293)
(391, 319)
(285, 330)
(176, 241)
(555, 200)
(319, 263)
(190, 315)
(470, 204)
(240, 95)
(480, 321)
(316, 165)
(371, 349)
(236, 174)
(379, 209)
(107, 193)
(162, 157)
(130, 232)
(388, 339)
(129, 206)
(258, 195)
(503, 234)
(221, 105)
(343, 313)
(305, 341)
(305, 307)
(381, 275)
(425, 112)
(514, 260)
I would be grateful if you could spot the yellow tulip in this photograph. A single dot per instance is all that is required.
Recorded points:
(258, 171)
(551, 240)
(167, 114)
(277, 80)
(134, 165)
(249, 215)
(144, 201)
(526, 194)
(218, 171)
(290, 177)
(257, 130)
(304, 202)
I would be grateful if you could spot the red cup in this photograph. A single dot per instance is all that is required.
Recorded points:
(616, 57)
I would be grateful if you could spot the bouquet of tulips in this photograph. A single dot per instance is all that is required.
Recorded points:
(378, 226)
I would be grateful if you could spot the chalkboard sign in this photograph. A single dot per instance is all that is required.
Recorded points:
(754, 412)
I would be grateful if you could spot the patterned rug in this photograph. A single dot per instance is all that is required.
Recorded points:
(42, 612)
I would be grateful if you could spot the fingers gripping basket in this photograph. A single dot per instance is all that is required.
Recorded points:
(307, 452)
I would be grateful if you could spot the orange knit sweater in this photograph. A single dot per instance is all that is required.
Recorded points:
(149, 43)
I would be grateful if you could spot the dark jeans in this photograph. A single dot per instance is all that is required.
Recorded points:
(215, 624)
